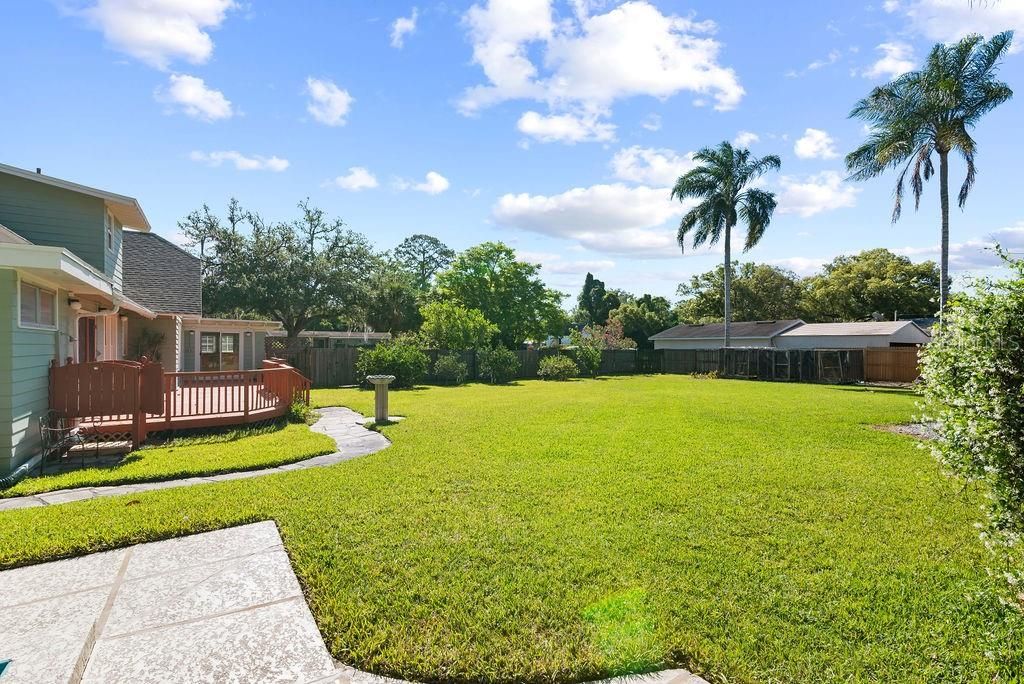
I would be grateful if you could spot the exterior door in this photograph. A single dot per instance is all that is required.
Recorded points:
(86, 339)
(219, 351)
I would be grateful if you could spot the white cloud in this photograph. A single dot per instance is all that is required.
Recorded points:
(820, 192)
(328, 103)
(802, 266)
(815, 144)
(896, 60)
(159, 31)
(832, 58)
(192, 96)
(649, 166)
(949, 20)
(433, 184)
(567, 128)
(976, 253)
(402, 27)
(745, 139)
(358, 178)
(554, 263)
(241, 161)
(614, 219)
(587, 62)
(652, 122)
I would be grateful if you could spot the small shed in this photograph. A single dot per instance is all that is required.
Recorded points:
(712, 335)
(853, 335)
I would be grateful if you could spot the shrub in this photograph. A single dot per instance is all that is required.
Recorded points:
(973, 379)
(399, 358)
(588, 358)
(447, 325)
(450, 370)
(497, 365)
(557, 368)
(300, 412)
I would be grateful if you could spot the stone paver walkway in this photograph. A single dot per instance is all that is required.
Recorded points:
(344, 425)
(221, 606)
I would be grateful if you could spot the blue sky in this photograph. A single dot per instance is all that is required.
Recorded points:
(553, 126)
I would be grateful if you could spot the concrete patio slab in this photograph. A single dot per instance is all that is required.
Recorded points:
(221, 606)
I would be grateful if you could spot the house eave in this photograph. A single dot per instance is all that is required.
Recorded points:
(57, 265)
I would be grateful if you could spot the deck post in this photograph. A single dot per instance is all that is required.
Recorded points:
(169, 382)
(245, 390)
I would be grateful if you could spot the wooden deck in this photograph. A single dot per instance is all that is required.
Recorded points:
(117, 399)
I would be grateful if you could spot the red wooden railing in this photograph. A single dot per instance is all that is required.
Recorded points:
(143, 396)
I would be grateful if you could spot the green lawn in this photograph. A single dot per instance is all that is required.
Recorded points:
(224, 452)
(755, 532)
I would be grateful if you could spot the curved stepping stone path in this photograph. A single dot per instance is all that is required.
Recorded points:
(344, 425)
(222, 606)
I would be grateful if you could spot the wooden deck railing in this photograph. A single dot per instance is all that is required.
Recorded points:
(127, 396)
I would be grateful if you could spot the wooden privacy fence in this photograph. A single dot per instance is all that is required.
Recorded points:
(892, 364)
(337, 367)
(126, 397)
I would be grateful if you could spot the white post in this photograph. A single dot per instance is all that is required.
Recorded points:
(380, 399)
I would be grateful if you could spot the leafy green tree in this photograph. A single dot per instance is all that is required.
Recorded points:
(722, 184)
(392, 302)
(595, 302)
(300, 273)
(447, 325)
(424, 256)
(508, 292)
(640, 318)
(932, 111)
(876, 281)
(760, 292)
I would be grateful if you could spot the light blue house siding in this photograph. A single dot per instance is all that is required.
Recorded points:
(25, 356)
(48, 215)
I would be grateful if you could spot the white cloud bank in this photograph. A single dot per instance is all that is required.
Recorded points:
(897, 59)
(358, 178)
(581, 65)
(612, 218)
(194, 98)
(815, 144)
(402, 27)
(566, 128)
(745, 139)
(328, 103)
(815, 194)
(158, 32)
(241, 162)
(650, 166)
(433, 184)
(976, 253)
(949, 20)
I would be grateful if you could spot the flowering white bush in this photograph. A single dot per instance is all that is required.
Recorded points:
(974, 389)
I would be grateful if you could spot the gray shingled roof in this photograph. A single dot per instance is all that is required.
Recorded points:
(160, 275)
(855, 328)
(738, 330)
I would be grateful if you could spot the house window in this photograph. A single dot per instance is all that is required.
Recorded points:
(218, 351)
(110, 232)
(38, 307)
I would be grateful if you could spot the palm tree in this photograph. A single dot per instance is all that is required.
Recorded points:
(721, 182)
(932, 111)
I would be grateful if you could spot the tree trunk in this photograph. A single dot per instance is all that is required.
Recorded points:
(944, 255)
(728, 285)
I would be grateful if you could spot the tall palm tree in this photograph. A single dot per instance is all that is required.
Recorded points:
(722, 183)
(932, 111)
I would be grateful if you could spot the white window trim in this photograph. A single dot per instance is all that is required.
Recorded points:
(56, 306)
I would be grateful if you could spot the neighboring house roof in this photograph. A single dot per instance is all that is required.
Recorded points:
(160, 275)
(716, 331)
(126, 209)
(8, 236)
(852, 329)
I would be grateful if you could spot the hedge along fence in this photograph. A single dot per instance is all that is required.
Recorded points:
(336, 367)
